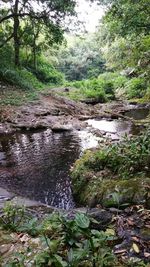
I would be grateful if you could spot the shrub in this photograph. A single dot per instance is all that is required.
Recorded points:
(6, 56)
(20, 77)
(114, 78)
(95, 89)
(63, 241)
(46, 73)
(136, 87)
(124, 159)
(119, 82)
(147, 95)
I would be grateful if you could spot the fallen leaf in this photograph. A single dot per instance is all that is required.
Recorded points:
(120, 251)
(134, 238)
(135, 248)
(130, 222)
(24, 238)
(110, 231)
(146, 254)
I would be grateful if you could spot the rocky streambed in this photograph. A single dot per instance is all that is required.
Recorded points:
(39, 144)
(40, 141)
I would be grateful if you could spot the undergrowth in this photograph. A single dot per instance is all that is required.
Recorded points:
(124, 159)
(63, 241)
(57, 240)
(108, 86)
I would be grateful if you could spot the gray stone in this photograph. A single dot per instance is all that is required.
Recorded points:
(61, 128)
(4, 196)
(103, 218)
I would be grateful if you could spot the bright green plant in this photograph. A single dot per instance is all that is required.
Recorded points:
(125, 159)
(136, 88)
(67, 242)
(12, 216)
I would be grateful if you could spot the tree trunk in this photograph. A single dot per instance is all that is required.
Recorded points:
(16, 37)
(34, 52)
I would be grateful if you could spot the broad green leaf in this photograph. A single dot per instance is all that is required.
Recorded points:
(82, 220)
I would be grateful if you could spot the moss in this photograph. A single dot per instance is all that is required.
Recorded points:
(113, 192)
(80, 172)
(124, 159)
(114, 175)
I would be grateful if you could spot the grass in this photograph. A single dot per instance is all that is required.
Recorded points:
(15, 97)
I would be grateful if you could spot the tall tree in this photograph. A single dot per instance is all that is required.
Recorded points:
(49, 13)
(125, 34)
(127, 16)
(81, 59)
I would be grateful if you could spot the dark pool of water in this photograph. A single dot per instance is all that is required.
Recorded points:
(37, 164)
(137, 114)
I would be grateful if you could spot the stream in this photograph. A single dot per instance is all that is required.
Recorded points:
(36, 164)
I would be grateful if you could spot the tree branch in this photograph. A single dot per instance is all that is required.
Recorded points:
(8, 39)
(22, 15)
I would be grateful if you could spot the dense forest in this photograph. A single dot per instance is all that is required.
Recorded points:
(34, 52)
(74, 134)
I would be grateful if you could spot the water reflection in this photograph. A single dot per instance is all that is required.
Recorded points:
(37, 166)
(110, 126)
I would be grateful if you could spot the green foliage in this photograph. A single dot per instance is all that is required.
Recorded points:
(26, 76)
(125, 37)
(127, 17)
(101, 89)
(67, 242)
(26, 27)
(136, 88)
(6, 56)
(47, 74)
(130, 157)
(147, 95)
(96, 89)
(12, 216)
(24, 39)
(81, 58)
(81, 244)
(19, 77)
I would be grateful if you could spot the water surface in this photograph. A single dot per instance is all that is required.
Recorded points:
(37, 164)
(113, 128)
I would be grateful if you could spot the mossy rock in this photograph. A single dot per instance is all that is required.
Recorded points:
(114, 175)
(144, 122)
(114, 193)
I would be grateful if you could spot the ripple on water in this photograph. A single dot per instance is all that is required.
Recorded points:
(37, 164)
